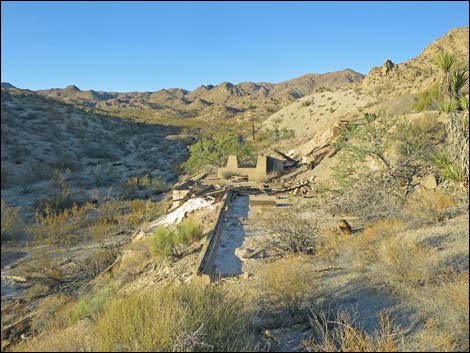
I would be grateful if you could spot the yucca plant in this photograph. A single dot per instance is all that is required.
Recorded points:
(445, 61)
(448, 168)
(458, 79)
(449, 106)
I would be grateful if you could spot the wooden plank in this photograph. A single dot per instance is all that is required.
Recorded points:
(290, 159)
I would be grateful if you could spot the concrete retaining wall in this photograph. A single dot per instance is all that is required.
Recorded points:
(206, 263)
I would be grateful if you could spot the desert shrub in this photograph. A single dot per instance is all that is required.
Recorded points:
(189, 231)
(402, 263)
(176, 318)
(295, 233)
(426, 100)
(447, 303)
(288, 282)
(49, 314)
(60, 197)
(215, 151)
(93, 305)
(102, 174)
(339, 333)
(58, 228)
(360, 141)
(146, 182)
(37, 290)
(372, 141)
(371, 198)
(64, 159)
(140, 211)
(161, 243)
(306, 103)
(12, 225)
(96, 263)
(429, 205)
(464, 103)
(169, 241)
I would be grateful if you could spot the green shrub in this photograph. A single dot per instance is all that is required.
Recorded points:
(189, 231)
(165, 242)
(161, 243)
(176, 319)
(449, 106)
(426, 100)
(215, 151)
(93, 305)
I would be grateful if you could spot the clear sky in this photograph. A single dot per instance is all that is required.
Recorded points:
(146, 46)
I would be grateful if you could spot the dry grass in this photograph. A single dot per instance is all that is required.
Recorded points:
(175, 318)
(445, 309)
(402, 263)
(287, 282)
(429, 206)
(340, 334)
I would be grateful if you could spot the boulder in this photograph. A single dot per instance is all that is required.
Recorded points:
(429, 182)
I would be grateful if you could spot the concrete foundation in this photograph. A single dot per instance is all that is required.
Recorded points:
(264, 166)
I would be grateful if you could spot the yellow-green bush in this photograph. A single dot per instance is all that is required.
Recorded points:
(169, 241)
(176, 318)
(12, 225)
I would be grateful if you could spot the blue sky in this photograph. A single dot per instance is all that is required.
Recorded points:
(146, 46)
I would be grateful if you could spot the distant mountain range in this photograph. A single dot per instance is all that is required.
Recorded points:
(225, 99)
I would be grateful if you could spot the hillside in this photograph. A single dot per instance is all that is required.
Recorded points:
(231, 99)
(42, 135)
(392, 88)
(138, 221)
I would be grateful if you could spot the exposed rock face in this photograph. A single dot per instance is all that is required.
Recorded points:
(388, 66)
(419, 73)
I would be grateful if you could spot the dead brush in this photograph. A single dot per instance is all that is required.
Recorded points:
(339, 333)
(287, 282)
(429, 206)
(296, 234)
(402, 264)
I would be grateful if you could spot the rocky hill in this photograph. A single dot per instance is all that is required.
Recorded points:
(229, 99)
(392, 88)
(7, 85)
(419, 73)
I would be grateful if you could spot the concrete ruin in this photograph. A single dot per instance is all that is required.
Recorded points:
(264, 166)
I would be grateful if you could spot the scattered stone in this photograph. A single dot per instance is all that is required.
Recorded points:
(429, 182)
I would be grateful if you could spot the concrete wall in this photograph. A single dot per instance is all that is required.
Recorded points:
(264, 165)
(206, 264)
